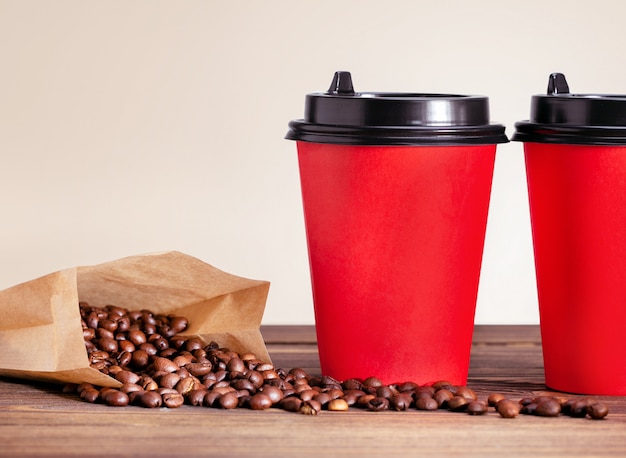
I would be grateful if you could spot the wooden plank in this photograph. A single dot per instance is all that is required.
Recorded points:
(294, 334)
(483, 334)
(38, 420)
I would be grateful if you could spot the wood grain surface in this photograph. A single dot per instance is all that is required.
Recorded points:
(38, 420)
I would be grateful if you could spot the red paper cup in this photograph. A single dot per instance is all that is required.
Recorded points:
(576, 177)
(395, 235)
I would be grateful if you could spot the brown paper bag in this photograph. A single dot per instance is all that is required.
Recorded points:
(41, 335)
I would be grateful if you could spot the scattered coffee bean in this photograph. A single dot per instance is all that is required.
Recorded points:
(597, 410)
(173, 400)
(529, 409)
(90, 395)
(576, 407)
(466, 392)
(291, 404)
(548, 408)
(159, 367)
(228, 400)
(260, 401)
(338, 405)
(372, 382)
(442, 397)
(401, 401)
(115, 398)
(458, 404)
(442, 384)
(311, 407)
(378, 404)
(150, 399)
(507, 408)
(494, 398)
(477, 408)
(426, 403)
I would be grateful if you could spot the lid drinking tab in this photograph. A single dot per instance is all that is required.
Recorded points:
(557, 84)
(563, 117)
(342, 84)
(343, 116)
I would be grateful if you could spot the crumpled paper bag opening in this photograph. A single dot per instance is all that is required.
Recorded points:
(41, 335)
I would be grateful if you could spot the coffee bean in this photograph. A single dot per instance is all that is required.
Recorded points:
(140, 359)
(529, 409)
(338, 405)
(164, 364)
(458, 404)
(272, 392)
(407, 386)
(115, 398)
(507, 408)
(108, 324)
(169, 380)
(426, 403)
(526, 400)
(290, 404)
(477, 408)
(260, 401)
(576, 407)
(193, 343)
(442, 397)
(135, 396)
(159, 342)
(195, 397)
(548, 408)
(401, 401)
(137, 337)
(89, 334)
(350, 384)
(127, 377)
(323, 398)
(84, 386)
(235, 365)
(130, 388)
(150, 349)
(352, 397)
(494, 398)
(70, 388)
(228, 400)
(124, 358)
(372, 382)
(199, 369)
(311, 407)
(384, 391)
(210, 398)
(378, 404)
(466, 392)
(90, 395)
(256, 378)
(597, 410)
(335, 393)
(178, 323)
(424, 391)
(150, 399)
(442, 384)
(123, 324)
(173, 400)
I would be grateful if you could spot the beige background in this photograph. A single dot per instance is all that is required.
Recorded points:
(129, 127)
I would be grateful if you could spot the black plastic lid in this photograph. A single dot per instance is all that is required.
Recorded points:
(343, 116)
(585, 119)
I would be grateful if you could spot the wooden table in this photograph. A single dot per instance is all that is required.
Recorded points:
(38, 420)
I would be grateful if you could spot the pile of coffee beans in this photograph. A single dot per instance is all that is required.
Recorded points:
(158, 367)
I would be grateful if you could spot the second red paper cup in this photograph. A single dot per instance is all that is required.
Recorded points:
(575, 152)
(395, 190)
